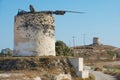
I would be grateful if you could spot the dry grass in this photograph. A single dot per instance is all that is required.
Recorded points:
(113, 69)
(91, 77)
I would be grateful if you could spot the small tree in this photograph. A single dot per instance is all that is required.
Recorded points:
(62, 49)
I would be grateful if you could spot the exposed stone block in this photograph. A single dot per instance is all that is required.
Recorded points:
(77, 63)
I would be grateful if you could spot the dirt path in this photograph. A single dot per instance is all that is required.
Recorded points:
(99, 75)
(102, 76)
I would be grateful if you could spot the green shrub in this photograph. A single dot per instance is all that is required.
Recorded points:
(111, 53)
(9, 52)
(62, 49)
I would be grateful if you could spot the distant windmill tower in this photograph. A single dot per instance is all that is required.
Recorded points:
(96, 41)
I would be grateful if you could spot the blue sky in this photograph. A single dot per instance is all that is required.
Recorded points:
(102, 19)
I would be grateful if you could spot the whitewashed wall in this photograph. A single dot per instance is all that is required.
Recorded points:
(34, 35)
(77, 63)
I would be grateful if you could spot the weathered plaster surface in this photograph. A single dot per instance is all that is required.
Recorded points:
(34, 35)
(77, 63)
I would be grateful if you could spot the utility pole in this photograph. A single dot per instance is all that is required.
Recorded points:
(73, 41)
(69, 43)
(84, 42)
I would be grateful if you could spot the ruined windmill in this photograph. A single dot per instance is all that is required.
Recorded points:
(34, 32)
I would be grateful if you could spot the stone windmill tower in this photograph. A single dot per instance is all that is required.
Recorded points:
(96, 41)
(34, 33)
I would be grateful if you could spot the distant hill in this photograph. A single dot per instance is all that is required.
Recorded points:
(96, 52)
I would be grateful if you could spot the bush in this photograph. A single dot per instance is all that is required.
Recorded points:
(6, 52)
(62, 49)
(111, 53)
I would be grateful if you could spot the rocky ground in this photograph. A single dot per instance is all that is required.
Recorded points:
(37, 68)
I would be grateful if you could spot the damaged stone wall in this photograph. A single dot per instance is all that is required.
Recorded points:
(34, 35)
